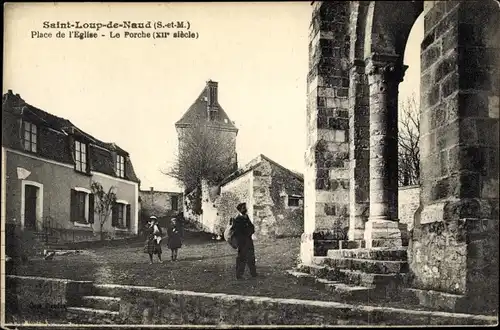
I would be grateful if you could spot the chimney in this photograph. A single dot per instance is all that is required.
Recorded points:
(212, 93)
(10, 92)
(151, 188)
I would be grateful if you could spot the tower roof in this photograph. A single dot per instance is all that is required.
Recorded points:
(199, 110)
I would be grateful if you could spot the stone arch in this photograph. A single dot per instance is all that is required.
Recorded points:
(388, 25)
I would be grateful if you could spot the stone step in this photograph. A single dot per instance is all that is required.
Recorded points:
(368, 266)
(345, 292)
(319, 271)
(436, 300)
(302, 278)
(340, 291)
(353, 277)
(101, 302)
(372, 254)
(370, 279)
(82, 315)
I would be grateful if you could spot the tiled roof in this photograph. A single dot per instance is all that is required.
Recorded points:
(14, 105)
(197, 112)
(253, 164)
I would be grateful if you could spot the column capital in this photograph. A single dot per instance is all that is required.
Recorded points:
(389, 67)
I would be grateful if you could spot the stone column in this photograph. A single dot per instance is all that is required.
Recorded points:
(384, 75)
(359, 143)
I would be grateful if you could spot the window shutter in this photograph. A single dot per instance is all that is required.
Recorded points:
(114, 215)
(91, 208)
(71, 146)
(72, 205)
(89, 158)
(125, 159)
(114, 158)
(128, 215)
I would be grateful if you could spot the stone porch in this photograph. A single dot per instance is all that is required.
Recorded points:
(450, 258)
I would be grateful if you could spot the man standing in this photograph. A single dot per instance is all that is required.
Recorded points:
(243, 231)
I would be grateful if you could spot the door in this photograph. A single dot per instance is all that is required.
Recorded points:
(30, 201)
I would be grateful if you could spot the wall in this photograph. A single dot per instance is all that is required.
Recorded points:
(189, 205)
(57, 180)
(159, 204)
(153, 306)
(455, 242)
(326, 174)
(209, 202)
(235, 192)
(272, 216)
(408, 203)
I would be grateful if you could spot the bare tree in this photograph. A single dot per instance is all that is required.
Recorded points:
(204, 153)
(103, 204)
(408, 137)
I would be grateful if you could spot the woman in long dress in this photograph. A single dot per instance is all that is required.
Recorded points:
(153, 240)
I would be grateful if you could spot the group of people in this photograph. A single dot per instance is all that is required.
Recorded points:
(243, 229)
(154, 238)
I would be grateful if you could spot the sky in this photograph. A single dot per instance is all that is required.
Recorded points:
(132, 91)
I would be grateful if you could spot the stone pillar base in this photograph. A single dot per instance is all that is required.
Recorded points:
(383, 233)
(306, 248)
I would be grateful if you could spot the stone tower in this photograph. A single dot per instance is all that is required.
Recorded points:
(207, 110)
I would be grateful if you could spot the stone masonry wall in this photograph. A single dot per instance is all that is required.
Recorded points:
(458, 224)
(272, 217)
(158, 203)
(327, 154)
(233, 193)
(408, 203)
(26, 294)
(154, 306)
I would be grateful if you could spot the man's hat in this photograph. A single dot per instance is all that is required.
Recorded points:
(153, 217)
(240, 206)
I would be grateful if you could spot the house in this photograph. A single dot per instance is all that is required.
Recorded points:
(274, 196)
(162, 204)
(48, 166)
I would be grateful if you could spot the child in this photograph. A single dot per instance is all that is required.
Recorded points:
(174, 239)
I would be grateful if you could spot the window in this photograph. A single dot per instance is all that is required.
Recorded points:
(293, 201)
(121, 215)
(175, 202)
(29, 137)
(212, 115)
(82, 206)
(120, 166)
(80, 156)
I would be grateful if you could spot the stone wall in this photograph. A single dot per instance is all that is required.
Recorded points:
(455, 240)
(191, 204)
(27, 295)
(326, 177)
(272, 216)
(235, 192)
(408, 203)
(209, 217)
(159, 204)
(153, 306)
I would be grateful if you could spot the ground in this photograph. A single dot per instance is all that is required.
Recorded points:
(203, 266)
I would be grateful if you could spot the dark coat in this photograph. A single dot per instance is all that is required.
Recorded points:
(243, 229)
(174, 240)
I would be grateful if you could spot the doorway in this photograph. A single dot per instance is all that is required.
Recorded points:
(30, 204)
